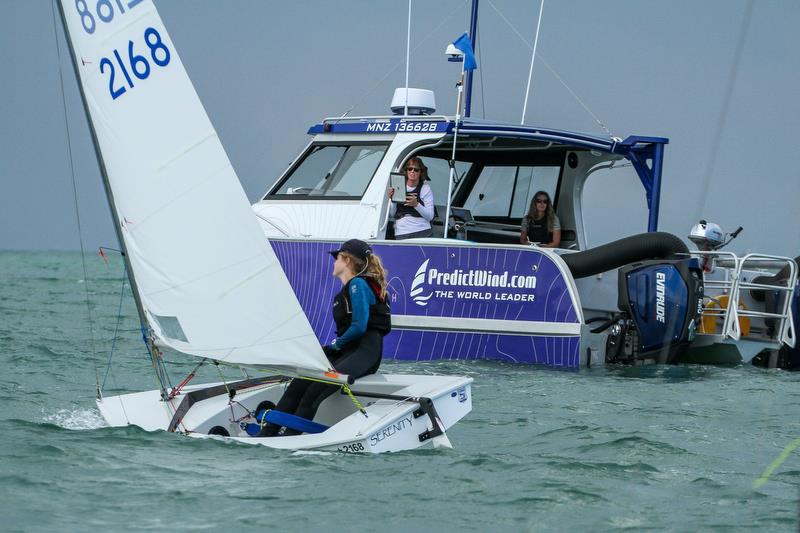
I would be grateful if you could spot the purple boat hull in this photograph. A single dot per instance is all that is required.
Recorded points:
(453, 302)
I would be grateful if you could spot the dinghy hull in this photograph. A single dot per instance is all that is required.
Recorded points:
(398, 415)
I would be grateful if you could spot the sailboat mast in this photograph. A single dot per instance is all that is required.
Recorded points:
(152, 350)
(473, 36)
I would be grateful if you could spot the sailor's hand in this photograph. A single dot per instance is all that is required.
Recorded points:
(331, 352)
(390, 192)
(412, 200)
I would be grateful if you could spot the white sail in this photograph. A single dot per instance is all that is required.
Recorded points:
(209, 283)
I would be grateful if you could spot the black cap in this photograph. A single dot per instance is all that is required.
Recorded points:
(356, 248)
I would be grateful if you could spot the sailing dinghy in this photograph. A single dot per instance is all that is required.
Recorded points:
(205, 281)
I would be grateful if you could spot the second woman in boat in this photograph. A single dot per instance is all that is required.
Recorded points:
(413, 217)
(362, 315)
(541, 225)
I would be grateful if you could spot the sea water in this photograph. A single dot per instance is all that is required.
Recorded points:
(675, 448)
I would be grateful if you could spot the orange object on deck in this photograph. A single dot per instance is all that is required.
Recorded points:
(709, 322)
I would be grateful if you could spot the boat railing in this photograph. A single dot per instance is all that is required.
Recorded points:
(725, 312)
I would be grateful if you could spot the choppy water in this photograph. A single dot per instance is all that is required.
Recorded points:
(673, 448)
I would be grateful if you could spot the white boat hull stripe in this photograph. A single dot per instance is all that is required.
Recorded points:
(485, 325)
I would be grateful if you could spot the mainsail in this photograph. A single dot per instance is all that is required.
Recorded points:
(208, 281)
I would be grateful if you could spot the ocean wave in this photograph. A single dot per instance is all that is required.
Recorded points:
(634, 442)
(310, 452)
(76, 419)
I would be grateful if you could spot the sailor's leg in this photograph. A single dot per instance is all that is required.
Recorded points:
(364, 359)
(288, 404)
(313, 397)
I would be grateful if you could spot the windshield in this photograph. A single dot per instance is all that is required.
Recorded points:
(334, 171)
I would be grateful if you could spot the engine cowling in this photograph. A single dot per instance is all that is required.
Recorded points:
(661, 301)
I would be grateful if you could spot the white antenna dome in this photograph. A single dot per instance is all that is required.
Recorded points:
(420, 101)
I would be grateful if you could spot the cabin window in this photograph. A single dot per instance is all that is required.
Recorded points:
(506, 191)
(333, 172)
(491, 195)
(530, 180)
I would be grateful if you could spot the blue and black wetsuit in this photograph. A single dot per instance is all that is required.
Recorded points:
(362, 319)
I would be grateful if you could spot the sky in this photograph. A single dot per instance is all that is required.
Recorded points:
(266, 71)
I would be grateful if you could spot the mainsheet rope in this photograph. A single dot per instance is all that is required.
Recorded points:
(345, 388)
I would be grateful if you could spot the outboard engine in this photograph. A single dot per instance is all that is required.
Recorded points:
(661, 302)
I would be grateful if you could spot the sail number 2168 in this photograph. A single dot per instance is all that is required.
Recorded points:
(136, 63)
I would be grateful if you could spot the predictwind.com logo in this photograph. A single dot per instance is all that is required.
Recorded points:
(418, 286)
(461, 284)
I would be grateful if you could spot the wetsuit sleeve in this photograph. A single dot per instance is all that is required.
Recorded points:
(361, 297)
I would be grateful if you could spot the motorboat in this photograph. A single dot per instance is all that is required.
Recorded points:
(473, 291)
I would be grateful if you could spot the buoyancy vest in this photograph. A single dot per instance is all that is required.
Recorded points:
(380, 315)
(408, 211)
(538, 232)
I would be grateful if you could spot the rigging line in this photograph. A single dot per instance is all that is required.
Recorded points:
(75, 194)
(726, 102)
(408, 55)
(400, 63)
(116, 329)
(174, 392)
(478, 38)
(533, 57)
(121, 402)
(553, 72)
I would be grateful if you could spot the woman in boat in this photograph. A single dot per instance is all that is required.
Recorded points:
(362, 317)
(541, 225)
(413, 218)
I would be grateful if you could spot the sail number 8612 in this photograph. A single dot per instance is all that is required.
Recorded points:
(138, 64)
(104, 9)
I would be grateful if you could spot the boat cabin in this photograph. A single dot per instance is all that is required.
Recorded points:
(337, 187)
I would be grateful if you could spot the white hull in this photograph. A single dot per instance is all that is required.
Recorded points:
(391, 425)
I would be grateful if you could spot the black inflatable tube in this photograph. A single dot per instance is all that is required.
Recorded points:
(656, 245)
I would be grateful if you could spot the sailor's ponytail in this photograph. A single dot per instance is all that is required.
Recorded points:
(377, 272)
(372, 268)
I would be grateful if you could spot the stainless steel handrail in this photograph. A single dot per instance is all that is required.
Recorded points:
(732, 286)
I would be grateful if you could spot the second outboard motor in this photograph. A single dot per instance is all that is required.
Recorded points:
(661, 302)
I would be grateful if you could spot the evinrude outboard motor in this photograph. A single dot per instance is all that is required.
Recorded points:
(661, 302)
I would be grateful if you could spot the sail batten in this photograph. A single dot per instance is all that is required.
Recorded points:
(208, 282)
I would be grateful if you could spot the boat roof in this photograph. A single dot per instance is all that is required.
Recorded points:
(646, 153)
(478, 127)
